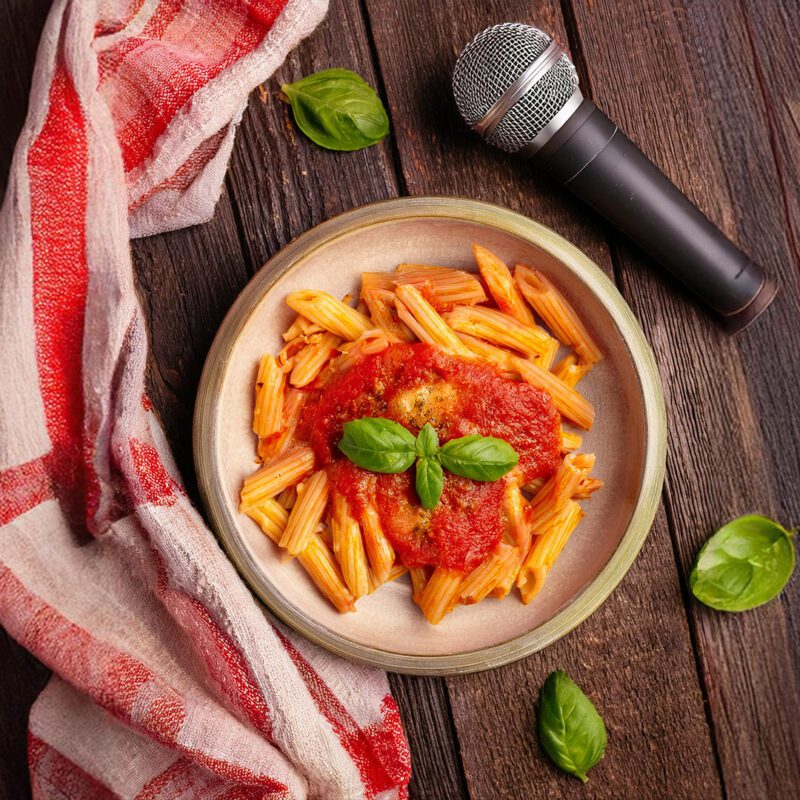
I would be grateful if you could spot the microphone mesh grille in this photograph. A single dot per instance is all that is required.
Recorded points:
(488, 66)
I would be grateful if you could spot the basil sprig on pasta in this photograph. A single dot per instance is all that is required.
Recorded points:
(382, 445)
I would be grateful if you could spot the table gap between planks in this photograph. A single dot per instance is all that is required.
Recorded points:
(696, 703)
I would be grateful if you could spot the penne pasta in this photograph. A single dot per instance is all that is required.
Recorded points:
(518, 526)
(380, 304)
(501, 285)
(307, 513)
(440, 595)
(556, 312)
(489, 319)
(570, 441)
(271, 517)
(379, 550)
(268, 412)
(275, 476)
(300, 328)
(416, 312)
(321, 566)
(348, 547)
(443, 287)
(569, 370)
(546, 549)
(314, 355)
(558, 490)
(500, 329)
(419, 579)
(272, 446)
(480, 582)
(331, 314)
(573, 405)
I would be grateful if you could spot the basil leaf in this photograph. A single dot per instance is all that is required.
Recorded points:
(337, 109)
(481, 458)
(378, 444)
(745, 564)
(571, 731)
(430, 481)
(427, 442)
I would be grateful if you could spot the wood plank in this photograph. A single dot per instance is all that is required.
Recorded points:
(682, 80)
(634, 656)
(281, 185)
(22, 676)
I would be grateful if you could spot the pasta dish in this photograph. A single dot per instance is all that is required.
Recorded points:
(428, 427)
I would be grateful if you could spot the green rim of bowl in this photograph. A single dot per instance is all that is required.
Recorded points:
(586, 601)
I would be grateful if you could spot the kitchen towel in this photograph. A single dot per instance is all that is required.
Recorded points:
(170, 681)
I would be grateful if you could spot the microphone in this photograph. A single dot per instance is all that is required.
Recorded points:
(517, 88)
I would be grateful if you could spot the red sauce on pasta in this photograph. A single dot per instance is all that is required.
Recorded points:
(414, 384)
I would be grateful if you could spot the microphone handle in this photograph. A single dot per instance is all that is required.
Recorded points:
(595, 160)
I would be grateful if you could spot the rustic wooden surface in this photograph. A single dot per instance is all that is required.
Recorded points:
(698, 704)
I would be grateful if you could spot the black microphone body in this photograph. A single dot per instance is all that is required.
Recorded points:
(597, 162)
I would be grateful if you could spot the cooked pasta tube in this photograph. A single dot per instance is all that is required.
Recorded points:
(557, 491)
(348, 546)
(307, 513)
(416, 312)
(445, 287)
(380, 304)
(309, 361)
(300, 328)
(501, 285)
(508, 576)
(569, 370)
(419, 579)
(272, 446)
(573, 405)
(587, 487)
(319, 563)
(376, 280)
(332, 314)
(514, 507)
(275, 476)
(570, 441)
(379, 550)
(288, 497)
(271, 517)
(546, 549)
(545, 360)
(394, 573)
(372, 341)
(500, 329)
(440, 594)
(556, 312)
(268, 411)
(478, 583)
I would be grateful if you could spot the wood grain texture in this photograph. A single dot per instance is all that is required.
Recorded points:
(282, 185)
(634, 656)
(702, 118)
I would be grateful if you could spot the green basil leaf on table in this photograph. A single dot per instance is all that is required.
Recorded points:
(571, 731)
(745, 564)
(337, 109)
(481, 458)
(379, 445)
(430, 481)
(427, 442)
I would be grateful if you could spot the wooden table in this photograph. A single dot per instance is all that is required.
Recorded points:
(697, 703)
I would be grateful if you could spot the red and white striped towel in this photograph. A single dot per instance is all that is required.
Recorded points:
(172, 682)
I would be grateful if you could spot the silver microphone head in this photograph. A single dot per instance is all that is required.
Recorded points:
(515, 86)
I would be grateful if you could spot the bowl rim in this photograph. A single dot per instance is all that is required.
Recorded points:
(586, 601)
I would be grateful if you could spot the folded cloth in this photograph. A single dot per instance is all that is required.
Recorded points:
(171, 681)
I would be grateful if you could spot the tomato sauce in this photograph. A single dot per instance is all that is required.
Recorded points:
(414, 384)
